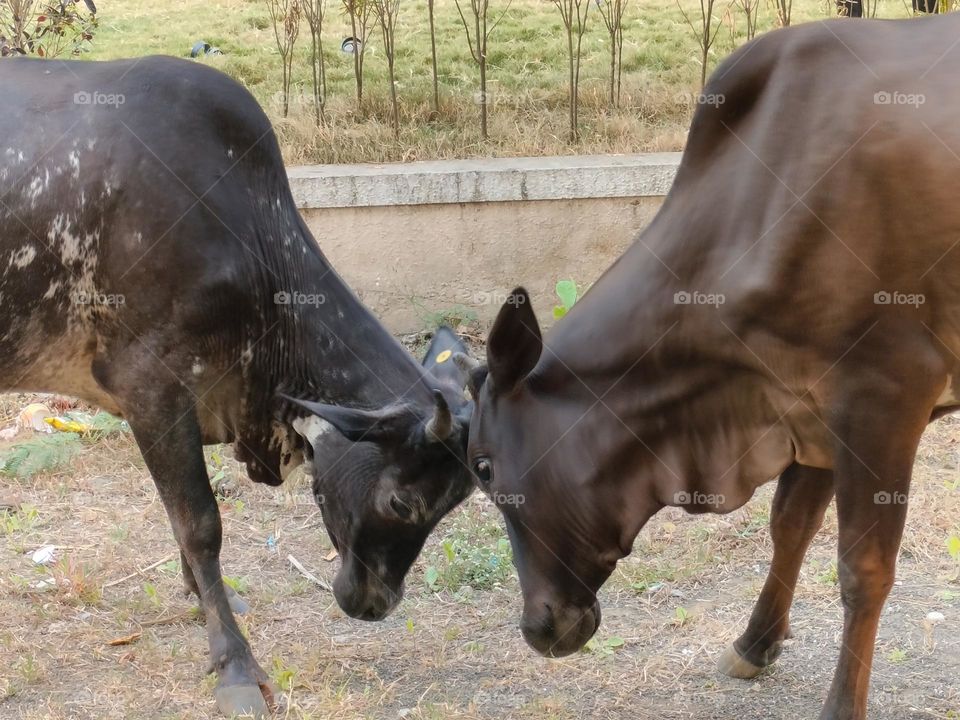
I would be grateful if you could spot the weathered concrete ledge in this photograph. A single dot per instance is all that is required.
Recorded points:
(421, 242)
(486, 180)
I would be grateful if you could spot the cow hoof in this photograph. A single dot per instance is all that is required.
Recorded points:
(732, 664)
(237, 603)
(244, 701)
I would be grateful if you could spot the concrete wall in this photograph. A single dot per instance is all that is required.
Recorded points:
(419, 239)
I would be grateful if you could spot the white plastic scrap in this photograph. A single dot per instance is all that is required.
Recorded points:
(44, 555)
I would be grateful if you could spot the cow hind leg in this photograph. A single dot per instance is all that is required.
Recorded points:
(165, 425)
(803, 494)
(878, 424)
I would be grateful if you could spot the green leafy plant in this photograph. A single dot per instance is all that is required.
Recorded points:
(897, 655)
(46, 29)
(604, 648)
(953, 547)
(103, 425)
(471, 555)
(830, 575)
(454, 317)
(41, 454)
(568, 294)
(150, 590)
(284, 675)
(20, 521)
(222, 478)
(239, 584)
(171, 567)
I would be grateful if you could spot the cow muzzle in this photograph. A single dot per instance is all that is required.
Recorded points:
(556, 630)
(365, 599)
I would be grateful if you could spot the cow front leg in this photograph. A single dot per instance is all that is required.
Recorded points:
(237, 603)
(166, 429)
(803, 494)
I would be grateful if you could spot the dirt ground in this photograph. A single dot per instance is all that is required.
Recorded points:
(450, 650)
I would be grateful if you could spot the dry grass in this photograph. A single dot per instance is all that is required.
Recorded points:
(526, 70)
(684, 594)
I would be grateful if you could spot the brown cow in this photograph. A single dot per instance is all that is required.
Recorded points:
(793, 311)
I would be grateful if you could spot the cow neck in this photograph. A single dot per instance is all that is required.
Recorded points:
(349, 356)
(628, 340)
(657, 394)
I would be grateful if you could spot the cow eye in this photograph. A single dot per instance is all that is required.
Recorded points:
(402, 509)
(483, 469)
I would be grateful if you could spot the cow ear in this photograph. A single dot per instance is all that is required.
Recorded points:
(514, 344)
(441, 358)
(388, 425)
(475, 381)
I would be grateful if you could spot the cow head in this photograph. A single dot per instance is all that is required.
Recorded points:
(384, 478)
(528, 462)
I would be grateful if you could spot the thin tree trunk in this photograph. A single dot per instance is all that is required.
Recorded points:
(316, 79)
(576, 81)
(619, 59)
(613, 70)
(391, 47)
(393, 100)
(286, 87)
(482, 56)
(317, 107)
(357, 70)
(703, 63)
(483, 97)
(573, 121)
(433, 57)
(323, 67)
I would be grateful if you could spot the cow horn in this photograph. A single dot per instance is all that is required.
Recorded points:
(440, 426)
(466, 363)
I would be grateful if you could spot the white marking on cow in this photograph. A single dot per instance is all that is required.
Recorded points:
(23, 257)
(312, 428)
(246, 357)
(74, 158)
(230, 153)
(291, 456)
(197, 368)
(35, 190)
(52, 290)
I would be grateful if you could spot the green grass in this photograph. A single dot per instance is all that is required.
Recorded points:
(473, 553)
(527, 75)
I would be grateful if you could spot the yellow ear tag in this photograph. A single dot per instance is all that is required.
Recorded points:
(444, 356)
